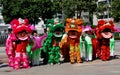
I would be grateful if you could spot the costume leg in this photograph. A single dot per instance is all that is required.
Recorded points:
(57, 57)
(112, 46)
(17, 60)
(90, 52)
(11, 61)
(51, 57)
(77, 54)
(94, 48)
(108, 52)
(71, 53)
(81, 50)
(33, 58)
(103, 53)
(25, 60)
(86, 51)
(36, 56)
(99, 49)
(29, 52)
(11, 54)
(65, 52)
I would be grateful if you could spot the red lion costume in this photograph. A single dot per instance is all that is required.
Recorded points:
(104, 32)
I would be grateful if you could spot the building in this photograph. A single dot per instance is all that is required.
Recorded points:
(102, 14)
(3, 26)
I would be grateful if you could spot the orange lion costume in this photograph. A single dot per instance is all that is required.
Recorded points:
(70, 43)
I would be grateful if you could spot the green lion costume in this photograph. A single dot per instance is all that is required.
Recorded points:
(51, 49)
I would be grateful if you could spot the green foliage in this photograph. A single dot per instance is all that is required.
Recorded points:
(31, 9)
(115, 8)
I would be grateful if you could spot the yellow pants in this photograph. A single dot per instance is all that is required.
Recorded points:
(75, 54)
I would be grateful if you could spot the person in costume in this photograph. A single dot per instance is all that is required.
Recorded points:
(22, 32)
(82, 38)
(88, 43)
(112, 47)
(51, 49)
(64, 48)
(94, 44)
(104, 33)
(73, 29)
(34, 49)
(10, 47)
(112, 41)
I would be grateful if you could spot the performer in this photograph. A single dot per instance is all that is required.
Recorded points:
(10, 48)
(82, 39)
(21, 30)
(112, 47)
(34, 49)
(104, 33)
(51, 47)
(64, 48)
(73, 30)
(94, 44)
(88, 43)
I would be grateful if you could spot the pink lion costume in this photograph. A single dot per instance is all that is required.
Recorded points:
(10, 48)
(17, 50)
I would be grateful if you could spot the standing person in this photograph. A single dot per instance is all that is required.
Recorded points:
(112, 41)
(82, 39)
(10, 47)
(88, 43)
(22, 32)
(112, 47)
(73, 30)
(94, 44)
(51, 44)
(64, 46)
(81, 46)
(105, 32)
(35, 48)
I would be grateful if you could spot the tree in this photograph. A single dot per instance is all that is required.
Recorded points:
(115, 9)
(71, 6)
(31, 9)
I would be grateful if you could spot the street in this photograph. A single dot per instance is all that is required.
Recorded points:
(96, 67)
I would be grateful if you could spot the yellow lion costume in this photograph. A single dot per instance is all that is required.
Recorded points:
(70, 43)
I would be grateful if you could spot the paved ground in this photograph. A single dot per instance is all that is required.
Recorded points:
(96, 67)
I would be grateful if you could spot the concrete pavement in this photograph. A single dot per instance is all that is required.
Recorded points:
(96, 67)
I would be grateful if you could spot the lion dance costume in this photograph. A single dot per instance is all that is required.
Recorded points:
(21, 30)
(104, 33)
(51, 47)
(73, 30)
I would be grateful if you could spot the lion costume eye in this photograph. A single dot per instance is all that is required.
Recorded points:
(72, 26)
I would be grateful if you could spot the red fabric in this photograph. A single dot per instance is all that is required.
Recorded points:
(21, 47)
(95, 46)
(74, 42)
(18, 29)
(14, 23)
(101, 23)
(99, 49)
(105, 50)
